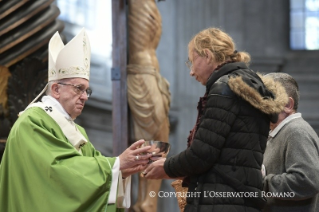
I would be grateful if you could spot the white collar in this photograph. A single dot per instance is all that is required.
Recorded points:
(49, 100)
(288, 119)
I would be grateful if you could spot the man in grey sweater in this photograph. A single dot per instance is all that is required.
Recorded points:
(291, 158)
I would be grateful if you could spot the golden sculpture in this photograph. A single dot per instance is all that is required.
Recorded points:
(4, 76)
(148, 91)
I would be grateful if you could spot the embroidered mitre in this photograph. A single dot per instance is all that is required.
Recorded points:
(70, 60)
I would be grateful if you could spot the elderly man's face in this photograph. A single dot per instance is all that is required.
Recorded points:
(70, 98)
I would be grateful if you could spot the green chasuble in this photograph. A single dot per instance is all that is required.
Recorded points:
(41, 171)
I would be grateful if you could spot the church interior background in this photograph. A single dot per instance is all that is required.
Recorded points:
(281, 36)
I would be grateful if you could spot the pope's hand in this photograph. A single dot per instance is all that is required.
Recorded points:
(155, 170)
(134, 156)
(133, 170)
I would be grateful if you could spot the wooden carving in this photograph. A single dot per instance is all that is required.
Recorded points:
(148, 91)
(25, 30)
(28, 79)
(4, 112)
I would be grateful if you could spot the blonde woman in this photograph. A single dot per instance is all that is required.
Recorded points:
(221, 167)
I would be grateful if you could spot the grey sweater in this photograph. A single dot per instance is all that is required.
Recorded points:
(292, 169)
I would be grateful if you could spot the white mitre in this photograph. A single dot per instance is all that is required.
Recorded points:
(71, 60)
(68, 61)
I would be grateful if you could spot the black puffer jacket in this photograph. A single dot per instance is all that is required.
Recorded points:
(227, 151)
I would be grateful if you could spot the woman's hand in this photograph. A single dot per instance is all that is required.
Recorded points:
(155, 170)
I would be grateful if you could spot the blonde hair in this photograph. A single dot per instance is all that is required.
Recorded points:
(219, 44)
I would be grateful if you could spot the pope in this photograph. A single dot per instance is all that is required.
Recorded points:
(49, 164)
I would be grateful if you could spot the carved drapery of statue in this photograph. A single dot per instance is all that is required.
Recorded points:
(148, 91)
(25, 30)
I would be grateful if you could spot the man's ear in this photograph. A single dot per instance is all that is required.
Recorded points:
(55, 90)
(289, 108)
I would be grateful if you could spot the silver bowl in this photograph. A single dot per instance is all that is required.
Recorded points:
(158, 148)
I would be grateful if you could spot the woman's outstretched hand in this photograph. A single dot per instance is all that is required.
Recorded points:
(155, 170)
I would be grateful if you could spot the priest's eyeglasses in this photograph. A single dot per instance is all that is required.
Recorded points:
(79, 89)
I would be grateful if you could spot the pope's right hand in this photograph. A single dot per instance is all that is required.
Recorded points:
(135, 155)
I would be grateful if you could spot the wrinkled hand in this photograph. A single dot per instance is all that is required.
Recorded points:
(132, 157)
(133, 170)
(156, 170)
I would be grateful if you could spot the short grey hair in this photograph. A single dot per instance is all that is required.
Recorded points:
(48, 91)
(290, 85)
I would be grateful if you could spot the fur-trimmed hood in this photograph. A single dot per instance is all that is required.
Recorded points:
(273, 104)
(262, 92)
